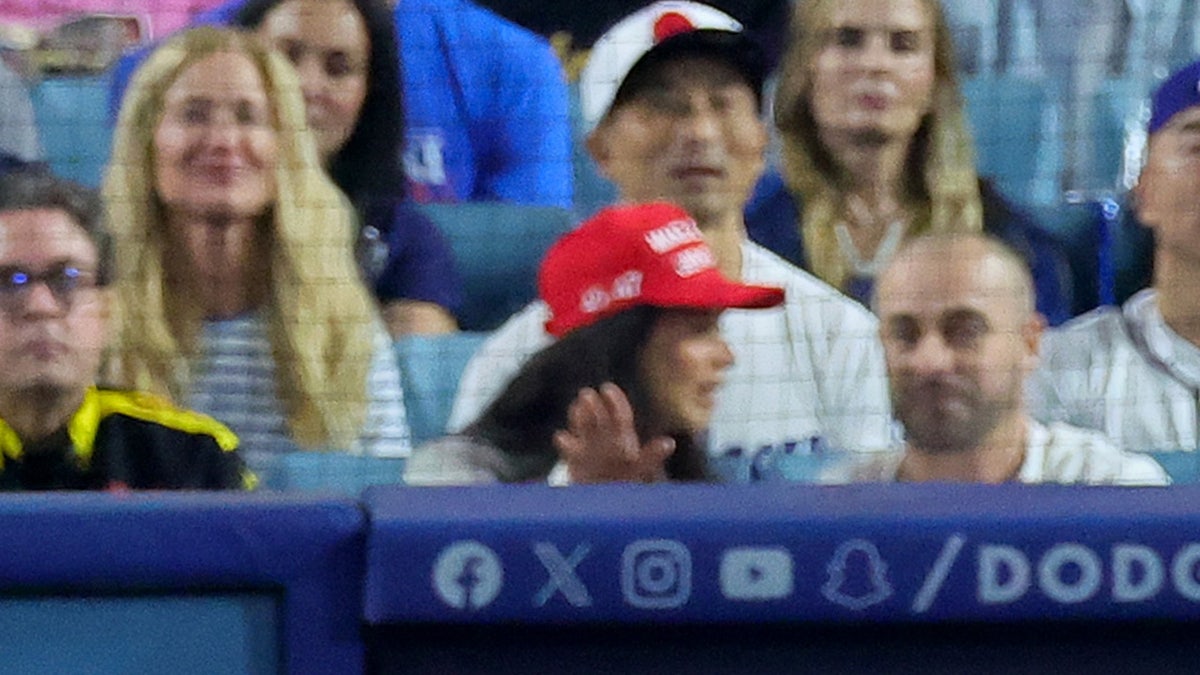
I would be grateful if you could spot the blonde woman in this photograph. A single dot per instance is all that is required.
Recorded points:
(238, 290)
(876, 150)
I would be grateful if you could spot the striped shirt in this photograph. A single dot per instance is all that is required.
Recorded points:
(234, 381)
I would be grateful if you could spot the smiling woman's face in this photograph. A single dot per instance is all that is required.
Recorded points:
(215, 148)
(327, 42)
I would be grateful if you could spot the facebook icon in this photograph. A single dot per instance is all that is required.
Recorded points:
(467, 575)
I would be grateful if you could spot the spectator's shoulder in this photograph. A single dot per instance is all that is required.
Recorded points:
(1088, 456)
(1084, 339)
(804, 292)
(155, 410)
(454, 460)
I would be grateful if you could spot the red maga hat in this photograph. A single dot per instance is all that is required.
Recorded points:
(648, 254)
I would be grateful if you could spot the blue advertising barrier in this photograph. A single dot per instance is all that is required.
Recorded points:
(767, 578)
(180, 583)
(683, 555)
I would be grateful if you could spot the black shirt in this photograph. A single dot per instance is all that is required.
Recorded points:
(125, 440)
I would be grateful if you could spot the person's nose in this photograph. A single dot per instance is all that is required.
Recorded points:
(931, 355)
(223, 132)
(876, 54)
(40, 301)
(723, 356)
(312, 79)
(701, 124)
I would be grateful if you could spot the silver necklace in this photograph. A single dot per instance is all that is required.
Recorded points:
(883, 253)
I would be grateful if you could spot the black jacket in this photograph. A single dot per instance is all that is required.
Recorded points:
(125, 440)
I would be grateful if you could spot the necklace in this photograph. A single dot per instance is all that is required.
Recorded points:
(883, 253)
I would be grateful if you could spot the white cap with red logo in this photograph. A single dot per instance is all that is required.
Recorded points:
(621, 47)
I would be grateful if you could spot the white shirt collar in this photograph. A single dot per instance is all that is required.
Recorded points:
(1169, 350)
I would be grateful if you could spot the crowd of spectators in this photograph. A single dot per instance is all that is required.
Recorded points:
(264, 188)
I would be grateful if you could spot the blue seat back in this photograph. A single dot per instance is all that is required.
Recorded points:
(72, 117)
(430, 366)
(498, 248)
(1183, 466)
(326, 472)
(1007, 119)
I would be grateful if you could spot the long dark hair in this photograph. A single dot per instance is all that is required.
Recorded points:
(369, 167)
(522, 420)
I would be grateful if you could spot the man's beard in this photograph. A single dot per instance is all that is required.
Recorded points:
(931, 427)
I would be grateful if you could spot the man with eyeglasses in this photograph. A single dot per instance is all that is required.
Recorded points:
(57, 429)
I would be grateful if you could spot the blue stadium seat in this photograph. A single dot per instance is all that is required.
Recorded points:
(72, 117)
(330, 473)
(1108, 250)
(430, 366)
(1007, 115)
(1182, 466)
(974, 25)
(498, 248)
(1118, 110)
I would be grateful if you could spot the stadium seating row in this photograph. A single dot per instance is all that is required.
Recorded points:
(1013, 119)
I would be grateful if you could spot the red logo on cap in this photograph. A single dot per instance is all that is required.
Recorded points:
(671, 24)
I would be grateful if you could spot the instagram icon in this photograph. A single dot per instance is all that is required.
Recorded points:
(656, 574)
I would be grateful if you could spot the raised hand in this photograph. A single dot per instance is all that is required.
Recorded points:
(600, 443)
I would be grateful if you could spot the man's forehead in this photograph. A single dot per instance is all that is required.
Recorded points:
(927, 287)
(47, 229)
(936, 313)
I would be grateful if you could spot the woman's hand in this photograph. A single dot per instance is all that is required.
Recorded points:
(600, 443)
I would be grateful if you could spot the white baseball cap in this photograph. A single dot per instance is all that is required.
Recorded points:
(656, 31)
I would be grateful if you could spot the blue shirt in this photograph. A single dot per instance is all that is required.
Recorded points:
(419, 263)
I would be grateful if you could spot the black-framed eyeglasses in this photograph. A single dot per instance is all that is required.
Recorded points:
(64, 282)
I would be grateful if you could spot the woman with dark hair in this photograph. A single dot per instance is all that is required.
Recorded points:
(628, 390)
(345, 52)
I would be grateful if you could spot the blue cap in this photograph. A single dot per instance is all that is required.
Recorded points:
(1180, 92)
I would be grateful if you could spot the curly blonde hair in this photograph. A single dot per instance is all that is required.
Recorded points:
(321, 318)
(941, 172)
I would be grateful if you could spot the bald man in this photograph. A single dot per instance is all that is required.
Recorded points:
(960, 336)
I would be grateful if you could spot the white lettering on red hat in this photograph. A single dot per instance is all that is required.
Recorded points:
(594, 299)
(627, 286)
(693, 260)
(673, 235)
